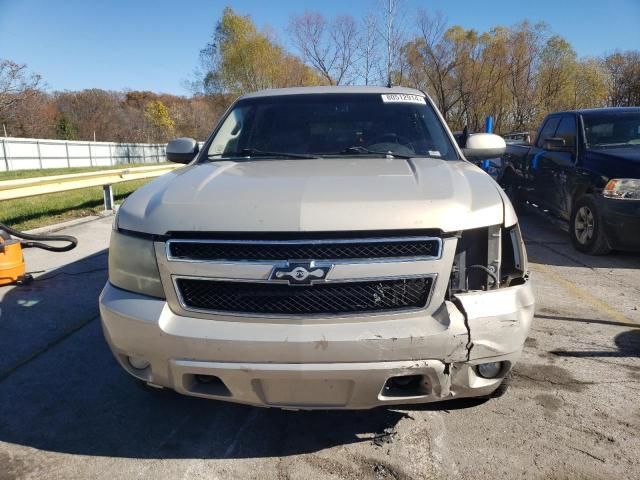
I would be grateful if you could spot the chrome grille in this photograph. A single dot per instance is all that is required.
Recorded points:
(325, 298)
(271, 250)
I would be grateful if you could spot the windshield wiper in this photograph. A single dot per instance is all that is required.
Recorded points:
(360, 150)
(252, 152)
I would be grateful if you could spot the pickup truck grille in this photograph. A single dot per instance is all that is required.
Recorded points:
(326, 298)
(220, 250)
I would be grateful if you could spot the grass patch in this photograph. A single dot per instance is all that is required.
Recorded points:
(33, 212)
(46, 172)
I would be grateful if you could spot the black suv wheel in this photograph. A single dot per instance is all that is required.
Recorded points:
(586, 228)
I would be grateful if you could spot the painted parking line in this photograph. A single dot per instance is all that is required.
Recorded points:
(586, 297)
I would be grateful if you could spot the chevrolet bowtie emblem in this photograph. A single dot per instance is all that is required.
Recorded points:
(303, 273)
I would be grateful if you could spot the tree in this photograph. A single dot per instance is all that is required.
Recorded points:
(240, 59)
(590, 84)
(369, 67)
(93, 112)
(432, 58)
(329, 47)
(162, 125)
(16, 84)
(623, 70)
(65, 129)
(523, 57)
(557, 75)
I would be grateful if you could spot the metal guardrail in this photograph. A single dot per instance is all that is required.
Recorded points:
(30, 187)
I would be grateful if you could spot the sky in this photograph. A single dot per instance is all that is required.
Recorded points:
(154, 44)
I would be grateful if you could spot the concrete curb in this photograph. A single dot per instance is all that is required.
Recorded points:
(70, 223)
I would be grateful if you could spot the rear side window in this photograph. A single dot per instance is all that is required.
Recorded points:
(567, 130)
(548, 130)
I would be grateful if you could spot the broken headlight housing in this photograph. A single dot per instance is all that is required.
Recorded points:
(489, 258)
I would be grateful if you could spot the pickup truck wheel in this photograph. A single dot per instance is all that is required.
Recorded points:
(586, 228)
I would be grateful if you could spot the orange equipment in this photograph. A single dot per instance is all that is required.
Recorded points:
(12, 266)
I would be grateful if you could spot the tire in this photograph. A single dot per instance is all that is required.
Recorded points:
(586, 227)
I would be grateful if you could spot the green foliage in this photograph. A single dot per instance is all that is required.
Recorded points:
(158, 114)
(517, 74)
(241, 58)
(65, 129)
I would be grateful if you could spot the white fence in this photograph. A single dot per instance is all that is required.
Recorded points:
(30, 153)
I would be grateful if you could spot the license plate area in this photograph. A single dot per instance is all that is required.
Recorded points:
(283, 392)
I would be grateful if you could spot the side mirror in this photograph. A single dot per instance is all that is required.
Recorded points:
(555, 144)
(182, 150)
(481, 146)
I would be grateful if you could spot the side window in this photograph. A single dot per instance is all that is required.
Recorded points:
(567, 130)
(547, 131)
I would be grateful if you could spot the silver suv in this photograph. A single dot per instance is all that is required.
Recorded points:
(328, 247)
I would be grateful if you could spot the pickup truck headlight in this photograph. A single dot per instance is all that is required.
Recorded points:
(622, 189)
(132, 265)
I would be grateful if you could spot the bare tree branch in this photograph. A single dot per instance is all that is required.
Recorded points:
(309, 33)
(16, 85)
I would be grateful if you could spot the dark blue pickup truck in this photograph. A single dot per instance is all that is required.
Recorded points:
(584, 168)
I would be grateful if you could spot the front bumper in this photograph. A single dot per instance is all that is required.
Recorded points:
(622, 223)
(339, 363)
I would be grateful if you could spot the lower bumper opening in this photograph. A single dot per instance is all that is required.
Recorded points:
(406, 386)
(205, 385)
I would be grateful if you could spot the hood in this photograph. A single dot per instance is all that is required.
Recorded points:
(621, 162)
(630, 154)
(331, 194)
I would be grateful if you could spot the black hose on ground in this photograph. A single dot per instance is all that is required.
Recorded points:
(30, 240)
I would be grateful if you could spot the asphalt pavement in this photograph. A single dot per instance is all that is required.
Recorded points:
(68, 411)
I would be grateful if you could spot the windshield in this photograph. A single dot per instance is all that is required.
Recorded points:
(612, 130)
(312, 125)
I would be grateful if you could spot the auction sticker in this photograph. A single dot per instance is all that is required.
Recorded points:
(402, 98)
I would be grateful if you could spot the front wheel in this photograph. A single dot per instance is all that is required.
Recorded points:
(586, 228)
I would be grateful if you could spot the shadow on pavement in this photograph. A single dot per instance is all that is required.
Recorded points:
(35, 316)
(583, 320)
(547, 243)
(70, 396)
(628, 344)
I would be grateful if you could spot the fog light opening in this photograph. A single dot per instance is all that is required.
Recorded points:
(405, 386)
(206, 385)
(206, 379)
(138, 363)
(489, 370)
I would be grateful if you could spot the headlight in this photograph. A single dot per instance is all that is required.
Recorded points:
(132, 265)
(623, 189)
